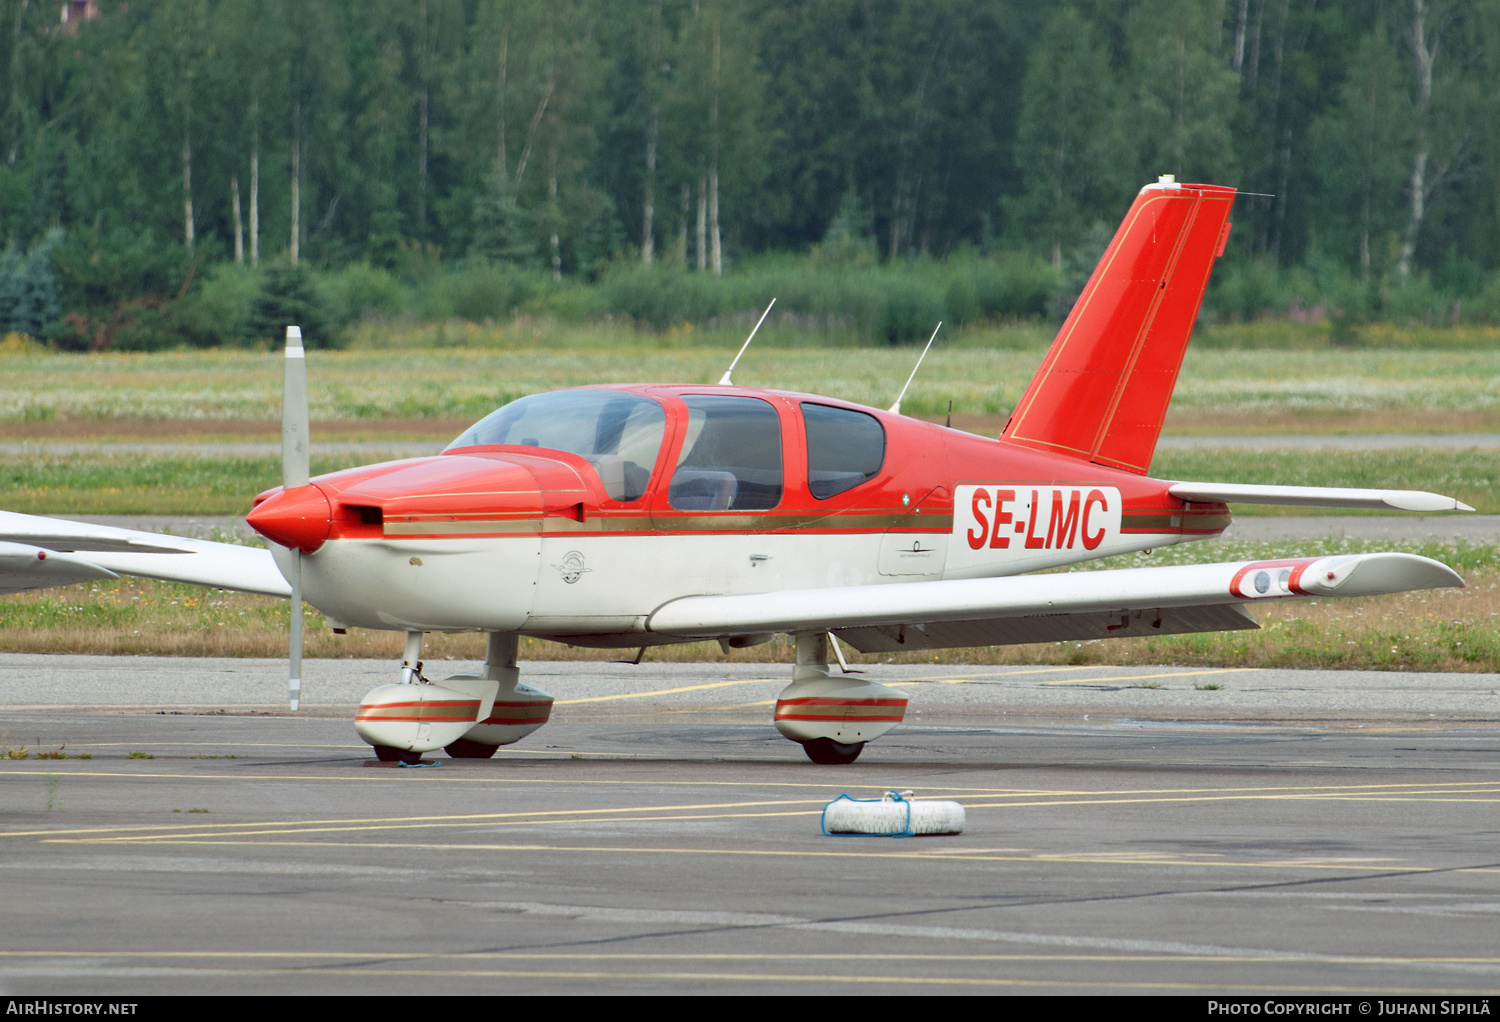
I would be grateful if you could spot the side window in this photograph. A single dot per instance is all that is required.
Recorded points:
(731, 456)
(844, 448)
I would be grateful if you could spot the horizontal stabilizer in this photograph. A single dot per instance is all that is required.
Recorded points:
(1126, 601)
(110, 551)
(1317, 496)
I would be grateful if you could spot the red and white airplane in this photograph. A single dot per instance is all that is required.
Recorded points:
(630, 516)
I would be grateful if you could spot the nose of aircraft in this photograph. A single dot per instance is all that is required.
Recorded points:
(300, 517)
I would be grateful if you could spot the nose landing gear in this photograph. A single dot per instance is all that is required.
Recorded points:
(469, 715)
(386, 754)
(517, 710)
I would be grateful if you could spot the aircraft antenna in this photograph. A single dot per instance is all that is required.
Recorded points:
(896, 408)
(724, 381)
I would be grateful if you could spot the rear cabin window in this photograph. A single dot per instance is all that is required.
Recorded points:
(844, 448)
(619, 433)
(731, 456)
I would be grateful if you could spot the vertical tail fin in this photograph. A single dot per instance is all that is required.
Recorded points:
(1101, 393)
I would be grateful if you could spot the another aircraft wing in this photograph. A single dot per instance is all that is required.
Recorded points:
(36, 552)
(1317, 496)
(24, 567)
(1049, 608)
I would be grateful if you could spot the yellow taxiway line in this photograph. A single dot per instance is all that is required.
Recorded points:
(618, 815)
(886, 979)
(1010, 799)
(669, 691)
(1147, 677)
(1289, 957)
(1074, 858)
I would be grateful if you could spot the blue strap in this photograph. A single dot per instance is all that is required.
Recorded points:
(889, 796)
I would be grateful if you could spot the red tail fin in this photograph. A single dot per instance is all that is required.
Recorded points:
(1103, 389)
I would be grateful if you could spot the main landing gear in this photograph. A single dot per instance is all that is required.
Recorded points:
(833, 717)
(386, 754)
(828, 752)
(469, 715)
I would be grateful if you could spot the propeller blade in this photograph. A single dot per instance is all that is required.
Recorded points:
(294, 680)
(295, 458)
(296, 470)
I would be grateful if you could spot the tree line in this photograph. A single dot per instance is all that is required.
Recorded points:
(144, 142)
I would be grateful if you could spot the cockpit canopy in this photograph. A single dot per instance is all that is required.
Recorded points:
(619, 433)
(731, 456)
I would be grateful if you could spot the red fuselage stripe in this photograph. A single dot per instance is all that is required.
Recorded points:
(841, 702)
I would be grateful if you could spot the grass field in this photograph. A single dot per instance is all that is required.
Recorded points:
(1440, 630)
(1472, 476)
(129, 483)
(1229, 390)
(386, 389)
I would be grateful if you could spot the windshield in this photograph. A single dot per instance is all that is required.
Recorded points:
(620, 434)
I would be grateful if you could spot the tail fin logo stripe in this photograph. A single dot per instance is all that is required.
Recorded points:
(1140, 338)
(1075, 317)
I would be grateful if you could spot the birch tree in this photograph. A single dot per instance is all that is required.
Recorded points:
(1364, 142)
(1182, 93)
(1447, 109)
(1068, 139)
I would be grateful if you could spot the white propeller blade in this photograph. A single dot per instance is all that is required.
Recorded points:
(296, 470)
(295, 465)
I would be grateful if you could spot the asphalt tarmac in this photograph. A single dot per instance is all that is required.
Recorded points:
(1285, 833)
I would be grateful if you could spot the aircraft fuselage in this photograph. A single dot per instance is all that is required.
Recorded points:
(519, 537)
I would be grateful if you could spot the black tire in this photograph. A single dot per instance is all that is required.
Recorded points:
(828, 752)
(386, 754)
(464, 748)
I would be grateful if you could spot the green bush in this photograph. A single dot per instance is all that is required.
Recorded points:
(661, 296)
(28, 290)
(1015, 286)
(910, 309)
(126, 291)
(1019, 287)
(222, 304)
(288, 298)
(99, 271)
(963, 299)
(360, 291)
(483, 291)
(1416, 300)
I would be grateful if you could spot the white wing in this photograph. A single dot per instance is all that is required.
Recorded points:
(24, 567)
(78, 552)
(1049, 608)
(1317, 496)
